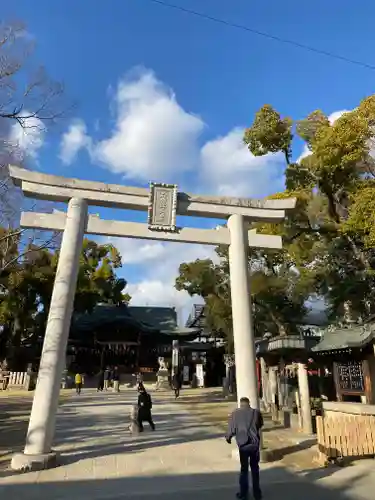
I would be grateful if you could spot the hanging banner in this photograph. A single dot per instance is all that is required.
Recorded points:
(186, 375)
(200, 375)
(175, 356)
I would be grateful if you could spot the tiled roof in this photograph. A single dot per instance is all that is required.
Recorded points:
(317, 318)
(345, 338)
(146, 320)
(163, 319)
(196, 318)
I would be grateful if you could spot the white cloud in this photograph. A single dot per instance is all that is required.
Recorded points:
(160, 262)
(336, 115)
(139, 251)
(305, 152)
(230, 169)
(157, 293)
(28, 138)
(154, 137)
(73, 141)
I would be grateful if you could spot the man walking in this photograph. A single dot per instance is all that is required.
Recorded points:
(100, 381)
(78, 381)
(245, 424)
(144, 409)
(107, 375)
(116, 380)
(176, 384)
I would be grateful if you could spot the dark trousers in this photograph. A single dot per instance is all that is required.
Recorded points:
(177, 392)
(78, 388)
(144, 415)
(149, 421)
(101, 385)
(249, 458)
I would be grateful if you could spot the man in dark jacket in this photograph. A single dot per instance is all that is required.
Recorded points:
(100, 381)
(176, 384)
(245, 424)
(107, 376)
(116, 380)
(144, 409)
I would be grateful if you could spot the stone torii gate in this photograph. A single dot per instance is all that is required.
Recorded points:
(163, 203)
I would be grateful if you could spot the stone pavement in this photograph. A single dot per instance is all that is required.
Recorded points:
(289, 446)
(183, 457)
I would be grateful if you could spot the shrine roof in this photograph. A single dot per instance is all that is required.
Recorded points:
(196, 346)
(339, 338)
(196, 318)
(282, 344)
(163, 319)
(146, 320)
(318, 318)
(102, 315)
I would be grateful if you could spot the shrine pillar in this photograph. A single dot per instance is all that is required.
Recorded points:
(304, 393)
(38, 450)
(243, 335)
(175, 357)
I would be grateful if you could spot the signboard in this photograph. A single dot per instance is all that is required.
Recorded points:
(146, 369)
(198, 310)
(185, 375)
(350, 378)
(162, 207)
(200, 375)
(175, 355)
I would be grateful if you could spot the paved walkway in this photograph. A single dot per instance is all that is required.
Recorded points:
(183, 458)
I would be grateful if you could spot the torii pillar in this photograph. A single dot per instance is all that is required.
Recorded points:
(243, 332)
(38, 453)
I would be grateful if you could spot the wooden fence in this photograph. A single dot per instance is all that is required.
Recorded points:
(344, 435)
(16, 380)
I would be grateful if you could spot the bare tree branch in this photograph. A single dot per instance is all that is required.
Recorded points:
(45, 245)
(12, 234)
(30, 102)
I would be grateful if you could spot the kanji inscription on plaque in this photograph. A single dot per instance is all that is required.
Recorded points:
(162, 207)
(350, 377)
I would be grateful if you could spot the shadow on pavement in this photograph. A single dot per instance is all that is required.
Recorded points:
(281, 440)
(87, 429)
(283, 451)
(277, 484)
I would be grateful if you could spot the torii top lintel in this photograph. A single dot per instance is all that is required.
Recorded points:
(56, 188)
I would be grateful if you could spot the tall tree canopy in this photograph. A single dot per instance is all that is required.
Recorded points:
(328, 239)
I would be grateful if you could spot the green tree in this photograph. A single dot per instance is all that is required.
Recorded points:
(270, 133)
(26, 289)
(336, 179)
(210, 281)
(328, 239)
(278, 292)
(20, 301)
(97, 281)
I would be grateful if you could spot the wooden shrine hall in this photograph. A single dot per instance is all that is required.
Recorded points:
(132, 338)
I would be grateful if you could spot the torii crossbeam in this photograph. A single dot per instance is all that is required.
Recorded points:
(163, 203)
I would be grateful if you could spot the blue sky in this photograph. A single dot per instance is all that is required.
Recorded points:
(164, 96)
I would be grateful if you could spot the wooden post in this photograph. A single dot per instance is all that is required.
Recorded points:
(265, 380)
(303, 384)
(367, 380)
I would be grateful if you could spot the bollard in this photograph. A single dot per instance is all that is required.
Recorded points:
(134, 427)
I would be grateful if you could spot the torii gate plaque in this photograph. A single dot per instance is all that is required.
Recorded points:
(163, 203)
